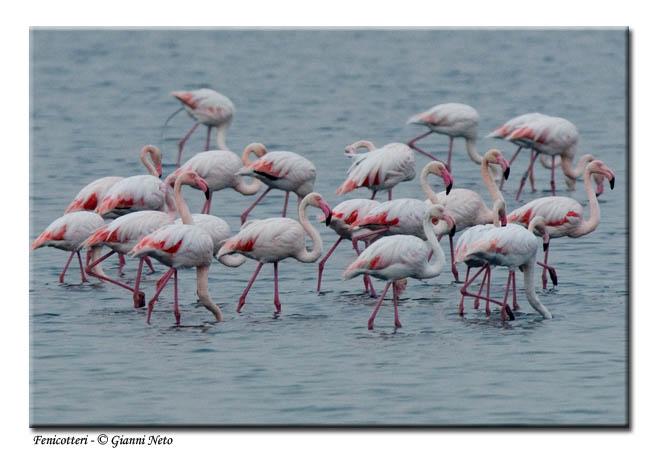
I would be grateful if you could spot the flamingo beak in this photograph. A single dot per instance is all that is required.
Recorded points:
(201, 184)
(159, 170)
(448, 180)
(505, 166)
(451, 222)
(612, 182)
(504, 220)
(327, 211)
(545, 246)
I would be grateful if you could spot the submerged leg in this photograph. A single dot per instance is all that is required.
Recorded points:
(397, 323)
(161, 285)
(66, 267)
(321, 264)
(277, 302)
(243, 216)
(82, 272)
(466, 285)
(182, 143)
(377, 306)
(241, 301)
(177, 313)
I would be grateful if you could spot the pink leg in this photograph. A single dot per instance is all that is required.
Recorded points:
(454, 268)
(277, 302)
(241, 301)
(66, 267)
(450, 150)
(412, 146)
(515, 305)
(138, 297)
(243, 217)
(487, 301)
(357, 238)
(122, 262)
(510, 163)
(461, 307)
(367, 280)
(161, 285)
(208, 138)
(389, 194)
(480, 291)
(82, 272)
(464, 288)
(531, 179)
(321, 264)
(377, 306)
(147, 260)
(504, 307)
(373, 195)
(177, 312)
(283, 214)
(526, 174)
(105, 278)
(397, 323)
(182, 143)
(553, 184)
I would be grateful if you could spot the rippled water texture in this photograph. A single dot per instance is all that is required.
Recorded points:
(99, 96)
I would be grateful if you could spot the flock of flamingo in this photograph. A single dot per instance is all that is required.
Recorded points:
(137, 215)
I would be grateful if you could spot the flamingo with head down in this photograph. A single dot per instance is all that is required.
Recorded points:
(275, 239)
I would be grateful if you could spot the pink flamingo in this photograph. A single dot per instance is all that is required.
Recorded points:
(565, 216)
(512, 246)
(68, 234)
(344, 214)
(282, 170)
(550, 136)
(275, 239)
(399, 257)
(453, 120)
(216, 227)
(465, 206)
(379, 169)
(122, 234)
(139, 192)
(206, 107)
(89, 196)
(219, 169)
(180, 246)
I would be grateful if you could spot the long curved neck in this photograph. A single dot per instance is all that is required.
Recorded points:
(148, 163)
(222, 136)
(594, 220)
(204, 295)
(471, 151)
(529, 289)
(309, 255)
(182, 207)
(492, 188)
(245, 188)
(433, 268)
(432, 195)
(171, 203)
(363, 144)
(566, 164)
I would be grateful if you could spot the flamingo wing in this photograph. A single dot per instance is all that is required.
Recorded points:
(89, 197)
(177, 245)
(139, 192)
(69, 231)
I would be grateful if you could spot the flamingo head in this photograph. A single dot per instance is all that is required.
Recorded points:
(598, 168)
(156, 157)
(499, 210)
(317, 200)
(191, 178)
(352, 149)
(494, 156)
(436, 211)
(439, 169)
(171, 178)
(539, 224)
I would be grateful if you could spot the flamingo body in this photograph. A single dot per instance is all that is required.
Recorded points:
(549, 135)
(69, 232)
(283, 170)
(216, 227)
(123, 233)
(347, 212)
(400, 216)
(218, 167)
(563, 215)
(206, 106)
(89, 197)
(451, 119)
(136, 193)
(177, 246)
(465, 206)
(509, 246)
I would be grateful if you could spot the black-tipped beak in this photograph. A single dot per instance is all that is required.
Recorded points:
(545, 246)
(328, 219)
(207, 193)
(612, 182)
(160, 175)
(506, 173)
(452, 232)
(448, 188)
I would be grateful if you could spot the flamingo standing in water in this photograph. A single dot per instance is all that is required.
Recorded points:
(550, 136)
(465, 206)
(379, 169)
(399, 257)
(282, 170)
(89, 197)
(512, 246)
(180, 246)
(565, 216)
(344, 214)
(275, 239)
(219, 168)
(452, 119)
(68, 234)
(206, 107)
(139, 192)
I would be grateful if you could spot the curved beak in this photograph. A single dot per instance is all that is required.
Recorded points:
(202, 185)
(327, 211)
(504, 220)
(451, 223)
(159, 170)
(448, 180)
(505, 166)
(612, 182)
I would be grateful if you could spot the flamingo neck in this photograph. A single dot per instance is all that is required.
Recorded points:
(432, 195)
(529, 289)
(471, 151)
(204, 295)
(594, 220)
(184, 211)
(566, 164)
(433, 268)
(306, 255)
(245, 188)
(492, 188)
(150, 168)
(363, 144)
(222, 136)
(171, 203)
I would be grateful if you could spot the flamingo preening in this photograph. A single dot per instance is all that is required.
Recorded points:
(399, 257)
(275, 239)
(219, 168)
(68, 233)
(565, 216)
(379, 168)
(283, 170)
(206, 107)
(180, 246)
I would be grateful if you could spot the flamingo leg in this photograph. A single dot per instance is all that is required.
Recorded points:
(531, 179)
(148, 262)
(138, 297)
(243, 217)
(487, 300)
(206, 209)
(526, 174)
(160, 285)
(122, 262)
(241, 301)
(450, 150)
(283, 214)
(454, 268)
(105, 278)
(397, 323)
(182, 143)
(553, 184)
(389, 194)
(510, 163)
(464, 288)
(321, 264)
(208, 138)
(414, 147)
(515, 305)
(480, 291)
(177, 312)
(368, 284)
(66, 267)
(82, 272)
(366, 235)
(277, 302)
(377, 306)
(461, 308)
(373, 195)
(504, 307)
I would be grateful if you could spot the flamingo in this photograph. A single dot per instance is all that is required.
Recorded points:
(275, 239)
(453, 120)
(465, 206)
(343, 215)
(216, 227)
(89, 196)
(565, 216)
(219, 169)
(68, 234)
(399, 257)
(139, 192)
(122, 234)
(180, 246)
(512, 246)
(282, 170)
(206, 107)
(550, 136)
(379, 169)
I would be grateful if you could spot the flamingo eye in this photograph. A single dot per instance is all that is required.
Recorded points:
(435, 220)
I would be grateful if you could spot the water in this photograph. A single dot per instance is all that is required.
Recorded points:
(99, 96)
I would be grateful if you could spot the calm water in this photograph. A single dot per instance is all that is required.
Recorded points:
(98, 97)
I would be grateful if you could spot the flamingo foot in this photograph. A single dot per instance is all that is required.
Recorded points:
(241, 303)
(138, 300)
(277, 306)
(508, 311)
